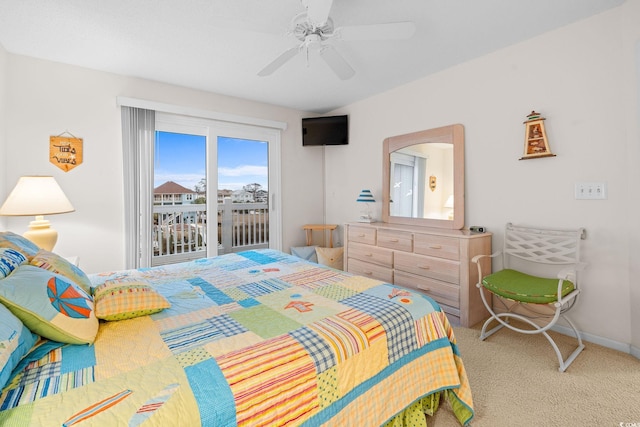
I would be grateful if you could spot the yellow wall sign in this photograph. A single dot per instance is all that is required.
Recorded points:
(65, 152)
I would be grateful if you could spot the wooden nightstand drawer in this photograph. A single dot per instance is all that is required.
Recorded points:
(437, 246)
(373, 254)
(398, 240)
(365, 235)
(442, 292)
(436, 268)
(370, 270)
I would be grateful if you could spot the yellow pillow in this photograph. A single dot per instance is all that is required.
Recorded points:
(119, 300)
(331, 257)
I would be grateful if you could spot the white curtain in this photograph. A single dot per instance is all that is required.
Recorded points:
(138, 136)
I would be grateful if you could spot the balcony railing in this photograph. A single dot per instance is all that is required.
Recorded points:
(180, 231)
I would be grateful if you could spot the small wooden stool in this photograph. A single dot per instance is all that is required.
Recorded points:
(308, 228)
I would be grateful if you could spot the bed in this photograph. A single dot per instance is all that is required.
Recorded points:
(256, 338)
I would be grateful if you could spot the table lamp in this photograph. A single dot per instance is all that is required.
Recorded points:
(39, 196)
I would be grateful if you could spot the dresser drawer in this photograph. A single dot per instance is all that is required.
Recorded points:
(393, 239)
(443, 292)
(437, 246)
(436, 268)
(362, 235)
(373, 271)
(373, 254)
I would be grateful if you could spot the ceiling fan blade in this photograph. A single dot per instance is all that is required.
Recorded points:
(389, 31)
(337, 63)
(279, 61)
(318, 11)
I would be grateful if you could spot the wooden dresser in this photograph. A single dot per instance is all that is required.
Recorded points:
(431, 260)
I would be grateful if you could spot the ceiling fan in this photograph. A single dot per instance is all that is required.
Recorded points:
(314, 27)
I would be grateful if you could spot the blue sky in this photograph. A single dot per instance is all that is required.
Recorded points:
(182, 159)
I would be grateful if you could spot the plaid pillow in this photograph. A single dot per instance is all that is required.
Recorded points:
(119, 300)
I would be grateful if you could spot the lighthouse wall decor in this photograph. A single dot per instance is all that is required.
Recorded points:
(536, 144)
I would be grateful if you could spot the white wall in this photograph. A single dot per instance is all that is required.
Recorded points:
(582, 79)
(634, 194)
(3, 127)
(45, 98)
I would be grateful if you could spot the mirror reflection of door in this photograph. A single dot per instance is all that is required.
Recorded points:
(412, 162)
(408, 174)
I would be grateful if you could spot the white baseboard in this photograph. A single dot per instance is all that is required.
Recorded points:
(605, 342)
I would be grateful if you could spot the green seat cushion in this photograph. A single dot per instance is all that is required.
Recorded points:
(523, 287)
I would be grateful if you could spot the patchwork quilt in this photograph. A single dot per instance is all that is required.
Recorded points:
(257, 338)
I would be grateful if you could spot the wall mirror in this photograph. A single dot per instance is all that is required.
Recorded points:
(423, 178)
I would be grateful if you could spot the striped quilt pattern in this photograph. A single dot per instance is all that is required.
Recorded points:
(257, 338)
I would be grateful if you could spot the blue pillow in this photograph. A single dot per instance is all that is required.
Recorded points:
(307, 253)
(50, 305)
(12, 240)
(15, 342)
(10, 259)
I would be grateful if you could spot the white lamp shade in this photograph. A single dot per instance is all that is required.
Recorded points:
(36, 195)
(39, 196)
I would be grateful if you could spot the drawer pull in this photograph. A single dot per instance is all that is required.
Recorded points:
(394, 240)
(369, 254)
(424, 267)
(368, 273)
(361, 235)
(435, 247)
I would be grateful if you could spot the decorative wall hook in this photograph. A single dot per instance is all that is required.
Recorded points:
(65, 151)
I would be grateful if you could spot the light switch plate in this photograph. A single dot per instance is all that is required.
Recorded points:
(591, 190)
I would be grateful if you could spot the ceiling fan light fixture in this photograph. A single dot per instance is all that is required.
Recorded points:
(314, 26)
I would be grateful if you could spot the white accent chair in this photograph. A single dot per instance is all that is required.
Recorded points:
(530, 257)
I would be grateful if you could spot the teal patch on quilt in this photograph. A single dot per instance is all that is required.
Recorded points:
(249, 302)
(257, 257)
(76, 357)
(212, 393)
(211, 291)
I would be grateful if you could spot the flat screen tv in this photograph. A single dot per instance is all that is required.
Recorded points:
(333, 130)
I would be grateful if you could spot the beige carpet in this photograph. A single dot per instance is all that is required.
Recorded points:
(515, 382)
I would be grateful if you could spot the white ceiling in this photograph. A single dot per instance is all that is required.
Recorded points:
(220, 45)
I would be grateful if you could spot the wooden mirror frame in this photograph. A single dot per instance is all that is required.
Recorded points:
(452, 134)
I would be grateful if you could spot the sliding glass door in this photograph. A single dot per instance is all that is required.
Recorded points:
(215, 188)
